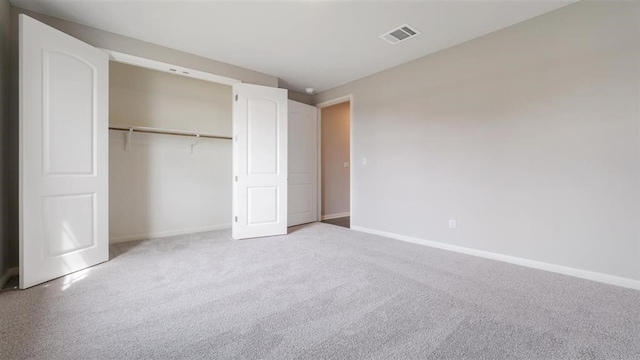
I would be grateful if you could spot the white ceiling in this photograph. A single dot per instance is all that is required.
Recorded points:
(315, 44)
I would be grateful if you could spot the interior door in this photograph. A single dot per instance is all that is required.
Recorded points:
(303, 163)
(63, 154)
(259, 161)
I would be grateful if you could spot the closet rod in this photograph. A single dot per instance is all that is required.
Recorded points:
(166, 132)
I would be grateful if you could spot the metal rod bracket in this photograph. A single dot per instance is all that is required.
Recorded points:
(127, 139)
(194, 143)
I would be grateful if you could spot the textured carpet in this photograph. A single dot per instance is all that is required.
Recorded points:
(322, 292)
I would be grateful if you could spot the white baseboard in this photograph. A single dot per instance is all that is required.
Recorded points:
(9, 273)
(583, 274)
(126, 238)
(335, 216)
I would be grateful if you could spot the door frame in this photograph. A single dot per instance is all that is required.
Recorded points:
(147, 63)
(187, 72)
(168, 68)
(320, 106)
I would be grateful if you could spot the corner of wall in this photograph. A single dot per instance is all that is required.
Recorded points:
(299, 97)
(5, 29)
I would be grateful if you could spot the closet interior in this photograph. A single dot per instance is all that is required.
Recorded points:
(170, 154)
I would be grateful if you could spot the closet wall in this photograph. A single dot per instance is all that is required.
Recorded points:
(336, 151)
(157, 187)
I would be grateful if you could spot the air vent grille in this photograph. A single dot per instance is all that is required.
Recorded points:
(400, 34)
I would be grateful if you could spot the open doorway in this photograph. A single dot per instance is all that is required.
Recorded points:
(335, 164)
(170, 154)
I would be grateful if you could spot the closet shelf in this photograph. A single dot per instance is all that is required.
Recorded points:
(150, 130)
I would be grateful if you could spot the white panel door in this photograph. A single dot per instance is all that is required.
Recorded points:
(303, 163)
(259, 161)
(63, 154)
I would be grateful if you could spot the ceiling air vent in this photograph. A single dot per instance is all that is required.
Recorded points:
(400, 34)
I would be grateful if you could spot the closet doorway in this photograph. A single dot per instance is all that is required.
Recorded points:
(230, 172)
(64, 145)
(170, 154)
(336, 162)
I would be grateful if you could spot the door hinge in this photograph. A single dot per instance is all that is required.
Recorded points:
(236, 178)
(236, 219)
(236, 97)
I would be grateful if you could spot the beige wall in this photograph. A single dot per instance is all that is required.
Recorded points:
(143, 97)
(335, 152)
(529, 137)
(5, 252)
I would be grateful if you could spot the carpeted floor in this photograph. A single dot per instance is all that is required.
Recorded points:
(322, 292)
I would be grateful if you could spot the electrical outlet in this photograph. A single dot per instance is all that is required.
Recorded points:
(346, 164)
(364, 161)
(453, 224)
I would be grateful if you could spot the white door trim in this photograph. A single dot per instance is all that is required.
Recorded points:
(168, 68)
(338, 100)
(320, 106)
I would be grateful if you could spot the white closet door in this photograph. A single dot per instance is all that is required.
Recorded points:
(259, 161)
(63, 154)
(303, 163)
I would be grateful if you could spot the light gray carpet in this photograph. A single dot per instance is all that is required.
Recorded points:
(323, 292)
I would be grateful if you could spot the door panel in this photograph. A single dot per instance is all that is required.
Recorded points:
(263, 205)
(262, 135)
(303, 163)
(68, 93)
(63, 154)
(259, 161)
(68, 223)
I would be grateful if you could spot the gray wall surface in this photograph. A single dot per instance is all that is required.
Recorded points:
(5, 252)
(335, 152)
(529, 137)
